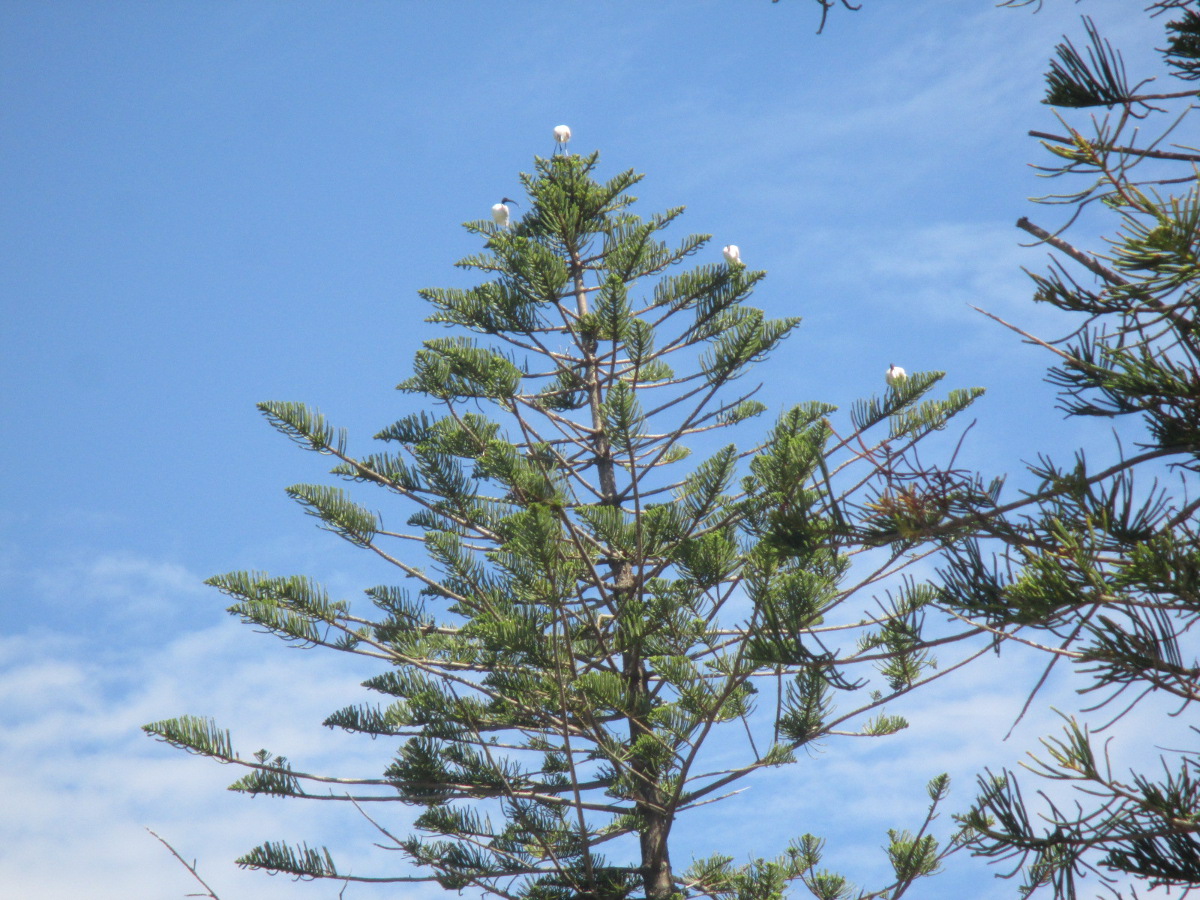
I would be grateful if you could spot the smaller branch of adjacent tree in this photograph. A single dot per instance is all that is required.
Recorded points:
(1175, 95)
(1008, 635)
(1093, 265)
(1134, 151)
(1070, 639)
(1033, 339)
(1088, 262)
(191, 867)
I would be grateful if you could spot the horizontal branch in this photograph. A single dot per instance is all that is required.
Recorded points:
(1135, 151)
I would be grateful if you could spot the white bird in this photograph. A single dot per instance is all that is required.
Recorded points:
(562, 134)
(733, 255)
(500, 212)
(895, 375)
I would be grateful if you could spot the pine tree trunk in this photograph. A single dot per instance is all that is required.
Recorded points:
(656, 827)
(648, 797)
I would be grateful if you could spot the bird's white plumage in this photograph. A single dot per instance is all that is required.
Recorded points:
(501, 214)
(562, 133)
(732, 254)
(895, 375)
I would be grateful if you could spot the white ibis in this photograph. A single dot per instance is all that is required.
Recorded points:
(895, 375)
(500, 212)
(562, 134)
(733, 255)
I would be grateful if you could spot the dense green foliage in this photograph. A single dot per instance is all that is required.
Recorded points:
(589, 628)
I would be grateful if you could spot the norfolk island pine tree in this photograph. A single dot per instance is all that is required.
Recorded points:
(587, 613)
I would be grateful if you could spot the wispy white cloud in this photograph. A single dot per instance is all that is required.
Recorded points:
(925, 286)
(81, 780)
(123, 584)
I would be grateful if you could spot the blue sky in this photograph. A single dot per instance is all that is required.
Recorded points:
(206, 205)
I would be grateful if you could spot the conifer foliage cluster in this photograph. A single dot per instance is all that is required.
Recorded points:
(592, 585)
(1101, 564)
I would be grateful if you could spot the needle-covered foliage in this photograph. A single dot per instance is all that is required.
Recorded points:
(1101, 564)
(605, 614)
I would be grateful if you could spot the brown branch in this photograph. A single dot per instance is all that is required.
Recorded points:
(209, 892)
(1176, 95)
(1088, 262)
(1033, 339)
(1135, 151)
(1095, 266)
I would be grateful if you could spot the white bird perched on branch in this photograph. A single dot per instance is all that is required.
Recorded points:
(895, 375)
(500, 212)
(733, 255)
(562, 134)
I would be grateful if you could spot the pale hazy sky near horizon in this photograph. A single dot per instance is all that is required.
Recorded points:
(206, 205)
